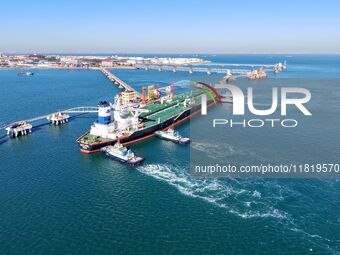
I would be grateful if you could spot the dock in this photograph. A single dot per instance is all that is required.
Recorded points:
(19, 129)
(190, 70)
(237, 70)
(25, 125)
(118, 81)
(58, 118)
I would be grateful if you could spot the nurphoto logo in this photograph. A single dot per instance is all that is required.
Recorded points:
(287, 96)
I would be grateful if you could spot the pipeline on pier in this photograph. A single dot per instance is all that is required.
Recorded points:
(220, 68)
(118, 81)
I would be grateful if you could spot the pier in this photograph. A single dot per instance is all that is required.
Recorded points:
(207, 70)
(58, 118)
(118, 81)
(19, 129)
(11, 127)
(239, 70)
(241, 65)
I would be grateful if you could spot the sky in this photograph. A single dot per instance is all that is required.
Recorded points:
(170, 26)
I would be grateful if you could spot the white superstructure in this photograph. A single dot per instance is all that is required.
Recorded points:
(115, 120)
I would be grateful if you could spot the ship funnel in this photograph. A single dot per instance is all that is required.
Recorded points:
(104, 112)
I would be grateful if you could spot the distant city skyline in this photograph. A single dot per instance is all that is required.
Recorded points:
(170, 27)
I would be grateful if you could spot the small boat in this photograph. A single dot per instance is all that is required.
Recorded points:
(171, 135)
(25, 73)
(122, 154)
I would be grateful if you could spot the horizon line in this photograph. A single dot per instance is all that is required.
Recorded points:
(169, 53)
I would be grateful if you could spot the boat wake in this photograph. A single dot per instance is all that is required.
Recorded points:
(230, 195)
(216, 151)
(246, 199)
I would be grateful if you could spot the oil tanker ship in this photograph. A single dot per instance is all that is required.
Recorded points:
(128, 121)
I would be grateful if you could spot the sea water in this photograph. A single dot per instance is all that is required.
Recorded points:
(54, 199)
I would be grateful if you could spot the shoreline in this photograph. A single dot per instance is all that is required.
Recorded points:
(69, 68)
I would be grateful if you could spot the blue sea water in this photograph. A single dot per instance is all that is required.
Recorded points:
(55, 200)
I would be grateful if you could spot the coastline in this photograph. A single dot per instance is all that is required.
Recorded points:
(69, 68)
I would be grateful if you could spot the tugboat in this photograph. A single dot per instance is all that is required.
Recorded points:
(26, 73)
(122, 154)
(171, 135)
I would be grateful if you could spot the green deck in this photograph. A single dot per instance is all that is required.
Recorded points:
(156, 106)
(90, 139)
